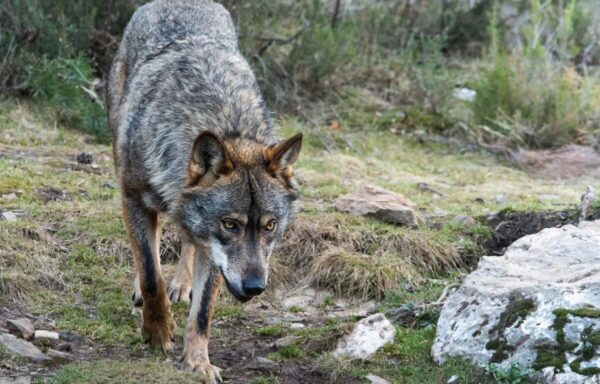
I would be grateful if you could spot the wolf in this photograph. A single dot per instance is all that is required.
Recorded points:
(193, 140)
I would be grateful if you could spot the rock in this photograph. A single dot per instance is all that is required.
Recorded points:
(452, 380)
(15, 379)
(8, 216)
(467, 221)
(500, 199)
(59, 355)
(588, 200)
(109, 185)
(286, 318)
(297, 325)
(21, 347)
(9, 197)
(22, 328)
(85, 158)
(285, 341)
(262, 364)
(46, 337)
(369, 334)
(374, 379)
(305, 298)
(510, 308)
(381, 204)
(464, 94)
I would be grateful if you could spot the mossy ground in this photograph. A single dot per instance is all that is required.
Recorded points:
(67, 255)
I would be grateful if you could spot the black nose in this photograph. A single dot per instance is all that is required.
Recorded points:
(253, 286)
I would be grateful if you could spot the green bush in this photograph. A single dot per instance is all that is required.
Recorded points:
(536, 97)
(64, 85)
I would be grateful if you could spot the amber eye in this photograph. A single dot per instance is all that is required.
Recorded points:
(270, 225)
(230, 225)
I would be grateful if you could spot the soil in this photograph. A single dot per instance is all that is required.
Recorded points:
(509, 226)
(233, 348)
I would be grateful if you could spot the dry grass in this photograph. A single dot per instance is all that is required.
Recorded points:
(29, 259)
(355, 257)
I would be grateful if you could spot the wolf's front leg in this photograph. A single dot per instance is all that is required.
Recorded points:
(158, 326)
(207, 285)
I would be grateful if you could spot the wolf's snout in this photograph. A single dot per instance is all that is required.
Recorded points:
(253, 286)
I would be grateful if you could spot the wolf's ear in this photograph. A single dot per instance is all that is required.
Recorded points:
(209, 157)
(282, 155)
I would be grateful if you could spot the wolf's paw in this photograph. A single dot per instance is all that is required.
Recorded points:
(211, 373)
(158, 329)
(180, 289)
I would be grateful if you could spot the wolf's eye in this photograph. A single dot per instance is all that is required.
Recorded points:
(230, 225)
(270, 225)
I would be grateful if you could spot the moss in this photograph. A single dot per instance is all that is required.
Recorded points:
(550, 356)
(518, 308)
(555, 356)
(585, 312)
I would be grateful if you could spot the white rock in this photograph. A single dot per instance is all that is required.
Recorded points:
(45, 337)
(369, 334)
(8, 216)
(297, 325)
(374, 379)
(452, 380)
(465, 94)
(557, 268)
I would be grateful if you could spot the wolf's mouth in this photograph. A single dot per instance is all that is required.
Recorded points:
(236, 293)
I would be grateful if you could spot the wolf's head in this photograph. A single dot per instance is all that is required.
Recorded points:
(237, 203)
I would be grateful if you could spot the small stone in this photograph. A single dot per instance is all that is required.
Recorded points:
(285, 341)
(46, 337)
(9, 196)
(9, 216)
(305, 298)
(500, 199)
(22, 328)
(452, 380)
(21, 347)
(374, 379)
(465, 220)
(368, 336)
(381, 204)
(297, 325)
(59, 355)
(109, 185)
(15, 379)
(262, 364)
(85, 158)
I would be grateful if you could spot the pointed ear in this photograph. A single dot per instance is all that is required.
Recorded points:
(282, 155)
(209, 157)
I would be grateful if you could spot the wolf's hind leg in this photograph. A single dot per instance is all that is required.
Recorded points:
(143, 227)
(207, 285)
(180, 288)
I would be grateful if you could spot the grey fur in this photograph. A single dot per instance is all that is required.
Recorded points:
(184, 75)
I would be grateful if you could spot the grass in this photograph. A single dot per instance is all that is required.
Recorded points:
(69, 259)
(408, 360)
(126, 372)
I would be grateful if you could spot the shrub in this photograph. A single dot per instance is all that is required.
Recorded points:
(535, 98)
(65, 86)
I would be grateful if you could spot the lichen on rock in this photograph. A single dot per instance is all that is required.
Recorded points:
(538, 306)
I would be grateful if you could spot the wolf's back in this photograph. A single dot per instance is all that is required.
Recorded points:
(156, 25)
(154, 29)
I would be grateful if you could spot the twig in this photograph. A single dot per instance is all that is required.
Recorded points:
(336, 11)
